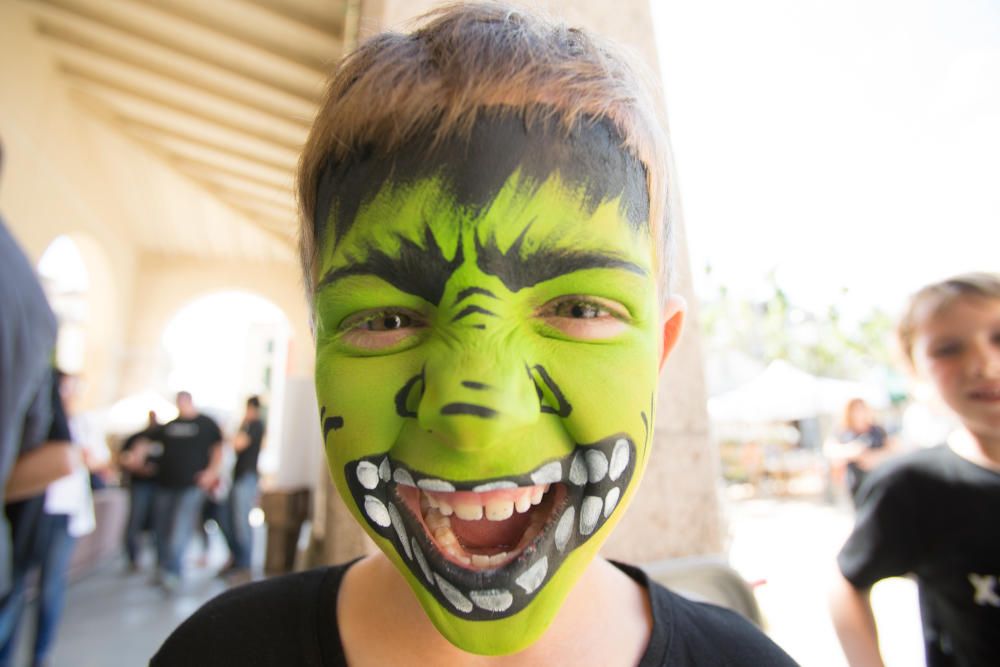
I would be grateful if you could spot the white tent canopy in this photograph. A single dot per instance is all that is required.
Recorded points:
(783, 392)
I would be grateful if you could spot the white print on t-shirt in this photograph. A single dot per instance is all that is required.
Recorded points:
(182, 430)
(986, 589)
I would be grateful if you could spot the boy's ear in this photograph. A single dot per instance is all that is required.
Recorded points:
(673, 321)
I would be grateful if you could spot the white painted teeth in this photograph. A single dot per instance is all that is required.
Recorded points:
(578, 470)
(495, 600)
(619, 460)
(401, 477)
(421, 561)
(533, 577)
(453, 595)
(376, 511)
(597, 465)
(495, 486)
(611, 501)
(548, 473)
(564, 529)
(590, 512)
(594, 491)
(438, 485)
(368, 475)
(397, 525)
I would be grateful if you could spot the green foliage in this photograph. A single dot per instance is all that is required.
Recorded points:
(770, 326)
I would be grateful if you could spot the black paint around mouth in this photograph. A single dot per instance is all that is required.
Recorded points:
(501, 592)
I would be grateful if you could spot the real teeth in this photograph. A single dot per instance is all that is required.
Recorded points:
(494, 506)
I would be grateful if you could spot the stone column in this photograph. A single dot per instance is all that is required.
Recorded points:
(676, 512)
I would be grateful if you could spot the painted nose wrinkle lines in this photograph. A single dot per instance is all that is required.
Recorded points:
(474, 398)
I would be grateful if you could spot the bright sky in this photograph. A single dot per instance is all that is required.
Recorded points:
(844, 143)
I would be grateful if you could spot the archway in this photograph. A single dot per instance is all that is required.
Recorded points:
(224, 347)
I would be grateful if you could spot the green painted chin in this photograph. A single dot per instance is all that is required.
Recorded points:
(494, 598)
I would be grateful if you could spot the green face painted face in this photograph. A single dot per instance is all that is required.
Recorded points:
(486, 380)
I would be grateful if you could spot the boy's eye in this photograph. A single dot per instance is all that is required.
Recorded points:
(378, 329)
(387, 322)
(587, 318)
(949, 350)
(580, 310)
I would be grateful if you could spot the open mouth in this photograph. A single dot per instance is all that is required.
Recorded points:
(485, 548)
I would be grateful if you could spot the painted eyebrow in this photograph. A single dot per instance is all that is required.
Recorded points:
(421, 270)
(541, 264)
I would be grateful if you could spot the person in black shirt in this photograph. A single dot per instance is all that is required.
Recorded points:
(932, 513)
(243, 493)
(859, 446)
(187, 470)
(139, 458)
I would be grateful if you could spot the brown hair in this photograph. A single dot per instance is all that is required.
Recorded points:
(932, 299)
(467, 59)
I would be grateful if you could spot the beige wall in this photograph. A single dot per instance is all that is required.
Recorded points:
(677, 510)
(68, 171)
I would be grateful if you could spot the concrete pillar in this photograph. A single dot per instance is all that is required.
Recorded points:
(677, 511)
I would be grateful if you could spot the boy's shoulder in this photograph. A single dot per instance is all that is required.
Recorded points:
(687, 632)
(282, 620)
(930, 466)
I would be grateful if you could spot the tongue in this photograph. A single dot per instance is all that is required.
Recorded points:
(489, 537)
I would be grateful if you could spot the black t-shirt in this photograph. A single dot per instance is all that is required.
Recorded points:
(873, 438)
(187, 448)
(246, 461)
(292, 620)
(933, 514)
(153, 453)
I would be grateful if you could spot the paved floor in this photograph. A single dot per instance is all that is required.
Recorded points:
(114, 619)
(118, 620)
(790, 547)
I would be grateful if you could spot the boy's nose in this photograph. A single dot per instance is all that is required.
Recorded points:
(987, 359)
(473, 400)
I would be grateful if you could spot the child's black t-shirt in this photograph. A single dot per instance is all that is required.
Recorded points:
(288, 620)
(933, 514)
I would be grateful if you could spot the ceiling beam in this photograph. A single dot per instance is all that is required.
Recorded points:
(276, 197)
(151, 23)
(59, 24)
(129, 106)
(167, 92)
(243, 166)
(264, 27)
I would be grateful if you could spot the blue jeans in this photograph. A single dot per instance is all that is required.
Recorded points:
(140, 512)
(177, 514)
(241, 501)
(52, 556)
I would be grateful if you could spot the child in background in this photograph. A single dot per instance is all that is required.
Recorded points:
(859, 446)
(484, 246)
(933, 513)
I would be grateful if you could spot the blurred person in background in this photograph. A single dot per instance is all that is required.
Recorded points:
(932, 513)
(67, 514)
(188, 470)
(138, 459)
(243, 494)
(858, 446)
(27, 338)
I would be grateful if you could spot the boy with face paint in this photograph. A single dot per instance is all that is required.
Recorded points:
(484, 243)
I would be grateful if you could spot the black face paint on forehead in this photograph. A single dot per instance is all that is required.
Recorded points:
(589, 157)
(420, 270)
(517, 271)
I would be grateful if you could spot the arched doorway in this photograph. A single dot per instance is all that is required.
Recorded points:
(224, 347)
